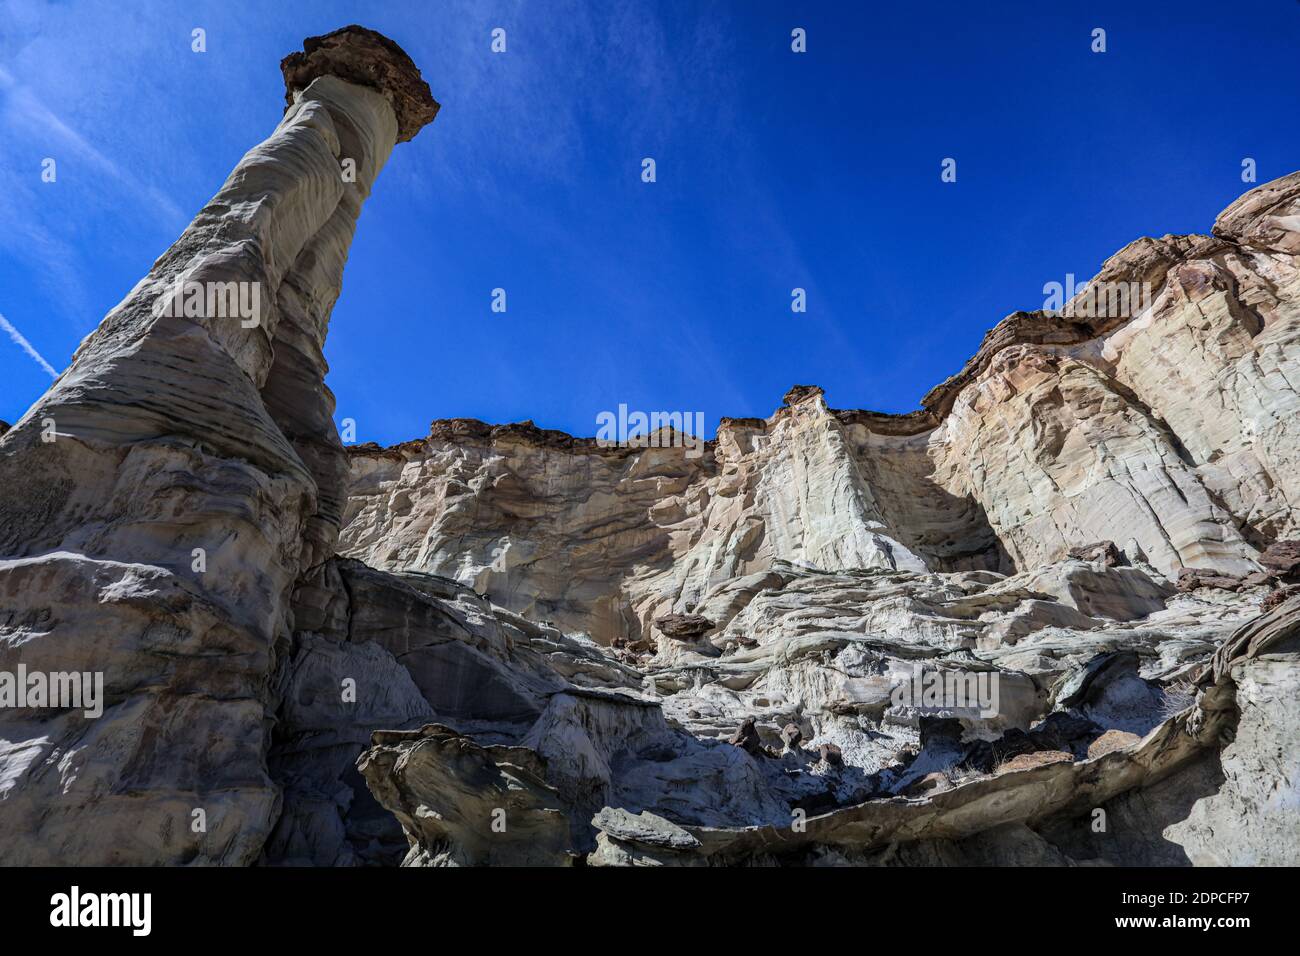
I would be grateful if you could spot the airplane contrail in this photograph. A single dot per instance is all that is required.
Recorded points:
(26, 346)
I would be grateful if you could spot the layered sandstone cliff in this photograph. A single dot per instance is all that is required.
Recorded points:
(1170, 431)
(499, 644)
(1093, 505)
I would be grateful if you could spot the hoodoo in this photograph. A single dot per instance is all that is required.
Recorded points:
(179, 433)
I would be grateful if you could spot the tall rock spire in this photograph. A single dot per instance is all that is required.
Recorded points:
(164, 496)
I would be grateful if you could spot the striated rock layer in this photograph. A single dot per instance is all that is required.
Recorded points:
(1171, 795)
(1100, 501)
(1064, 591)
(164, 496)
(1170, 431)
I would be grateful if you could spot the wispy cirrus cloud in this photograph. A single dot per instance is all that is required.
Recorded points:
(52, 253)
(24, 110)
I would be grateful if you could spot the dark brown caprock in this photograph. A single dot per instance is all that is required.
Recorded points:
(366, 58)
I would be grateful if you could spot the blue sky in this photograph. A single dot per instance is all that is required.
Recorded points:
(775, 170)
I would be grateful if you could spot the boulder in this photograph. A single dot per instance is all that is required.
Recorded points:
(683, 627)
(746, 737)
(1190, 579)
(1103, 552)
(1279, 596)
(792, 735)
(831, 755)
(1032, 761)
(1283, 559)
(1110, 741)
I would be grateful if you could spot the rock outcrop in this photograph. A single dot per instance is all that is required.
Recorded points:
(1080, 517)
(1035, 801)
(1062, 591)
(1168, 431)
(166, 494)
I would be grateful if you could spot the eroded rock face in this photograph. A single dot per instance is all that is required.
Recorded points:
(835, 637)
(1034, 804)
(1252, 819)
(1162, 423)
(630, 535)
(1076, 519)
(194, 475)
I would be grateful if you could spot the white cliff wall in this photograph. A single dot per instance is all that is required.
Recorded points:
(1163, 423)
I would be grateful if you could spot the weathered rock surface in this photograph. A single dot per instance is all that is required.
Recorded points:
(1282, 558)
(1253, 819)
(1168, 434)
(1080, 517)
(683, 627)
(835, 637)
(1035, 807)
(194, 475)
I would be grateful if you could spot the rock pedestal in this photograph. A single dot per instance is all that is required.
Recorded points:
(162, 499)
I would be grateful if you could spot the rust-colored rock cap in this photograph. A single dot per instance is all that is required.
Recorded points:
(366, 58)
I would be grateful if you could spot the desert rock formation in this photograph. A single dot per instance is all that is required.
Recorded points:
(1171, 432)
(1093, 506)
(1066, 584)
(180, 440)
